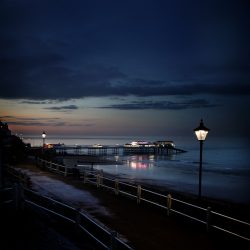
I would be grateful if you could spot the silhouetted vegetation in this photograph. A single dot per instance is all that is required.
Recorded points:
(13, 149)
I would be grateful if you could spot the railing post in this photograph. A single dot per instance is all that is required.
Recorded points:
(77, 219)
(101, 176)
(208, 219)
(138, 194)
(113, 236)
(65, 171)
(18, 196)
(27, 181)
(169, 203)
(116, 186)
(98, 180)
(84, 177)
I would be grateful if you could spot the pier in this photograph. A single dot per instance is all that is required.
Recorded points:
(115, 150)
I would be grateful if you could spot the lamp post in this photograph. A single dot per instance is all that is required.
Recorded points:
(201, 133)
(43, 136)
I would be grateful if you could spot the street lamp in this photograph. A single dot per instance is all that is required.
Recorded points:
(43, 136)
(201, 133)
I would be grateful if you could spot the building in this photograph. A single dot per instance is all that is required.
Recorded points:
(4, 130)
(164, 144)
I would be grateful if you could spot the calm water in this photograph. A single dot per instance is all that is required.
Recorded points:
(226, 168)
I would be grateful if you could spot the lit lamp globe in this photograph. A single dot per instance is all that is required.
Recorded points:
(43, 136)
(201, 132)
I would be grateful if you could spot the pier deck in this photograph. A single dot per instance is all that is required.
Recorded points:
(116, 150)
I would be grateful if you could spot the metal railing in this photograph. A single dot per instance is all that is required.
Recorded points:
(205, 216)
(23, 197)
(17, 174)
(6, 196)
(54, 167)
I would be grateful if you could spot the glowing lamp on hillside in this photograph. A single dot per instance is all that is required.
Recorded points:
(201, 134)
(43, 136)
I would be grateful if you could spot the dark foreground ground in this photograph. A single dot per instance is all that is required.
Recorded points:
(29, 231)
(142, 225)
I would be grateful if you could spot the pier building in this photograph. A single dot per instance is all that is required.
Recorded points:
(135, 147)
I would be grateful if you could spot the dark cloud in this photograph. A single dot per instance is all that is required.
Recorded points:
(46, 82)
(39, 121)
(7, 117)
(163, 105)
(28, 119)
(52, 51)
(43, 122)
(63, 108)
(38, 102)
(86, 125)
(19, 123)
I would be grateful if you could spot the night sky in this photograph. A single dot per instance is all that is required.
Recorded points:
(125, 67)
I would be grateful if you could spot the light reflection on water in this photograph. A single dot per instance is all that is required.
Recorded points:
(141, 161)
(180, 172)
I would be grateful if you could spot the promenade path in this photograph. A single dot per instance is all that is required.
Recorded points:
(143, 226)
(26, 231)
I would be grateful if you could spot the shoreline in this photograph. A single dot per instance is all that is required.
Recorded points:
(155, 184)
(72, 160)
(235, 209)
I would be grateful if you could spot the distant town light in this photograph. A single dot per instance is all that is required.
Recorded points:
(43, 134)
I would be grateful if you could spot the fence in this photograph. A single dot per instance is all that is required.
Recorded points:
(205, 216)
(55, 167)
(17, 174)
(22, 198)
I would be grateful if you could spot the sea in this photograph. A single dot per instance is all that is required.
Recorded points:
(225, 165)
